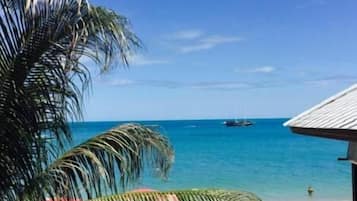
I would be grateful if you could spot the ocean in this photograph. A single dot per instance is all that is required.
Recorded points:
(266, 159)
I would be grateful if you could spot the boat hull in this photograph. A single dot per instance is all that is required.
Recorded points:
(237, 123)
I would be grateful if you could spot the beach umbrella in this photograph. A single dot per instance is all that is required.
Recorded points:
(334, 118)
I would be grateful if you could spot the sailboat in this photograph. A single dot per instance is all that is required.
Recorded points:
(238, 123)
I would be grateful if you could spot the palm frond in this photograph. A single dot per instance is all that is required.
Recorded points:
(186, 195)
(96, 166)
(114, 36)
(42, 81)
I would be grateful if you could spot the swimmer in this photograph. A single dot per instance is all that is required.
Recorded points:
(310, 190)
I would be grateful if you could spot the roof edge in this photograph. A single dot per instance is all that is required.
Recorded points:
(322, 103)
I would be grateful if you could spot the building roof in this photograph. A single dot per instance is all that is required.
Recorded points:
(335, 117)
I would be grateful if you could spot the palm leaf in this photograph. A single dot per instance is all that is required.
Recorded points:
(187, 195)
(96, 166)
(42, 80)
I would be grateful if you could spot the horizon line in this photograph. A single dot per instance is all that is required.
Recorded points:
(184, 119)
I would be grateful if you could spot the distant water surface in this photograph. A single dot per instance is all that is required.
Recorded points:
(266, 159)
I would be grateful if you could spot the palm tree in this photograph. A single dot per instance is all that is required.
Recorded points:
(42, 84)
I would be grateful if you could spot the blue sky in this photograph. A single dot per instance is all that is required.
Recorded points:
(224, 59)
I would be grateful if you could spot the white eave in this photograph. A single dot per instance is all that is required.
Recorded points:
(336, 112)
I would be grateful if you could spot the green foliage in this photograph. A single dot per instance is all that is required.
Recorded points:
(188, 195)
(95, 167)
(42, 81)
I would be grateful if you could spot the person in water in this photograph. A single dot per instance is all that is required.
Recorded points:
(310, 190)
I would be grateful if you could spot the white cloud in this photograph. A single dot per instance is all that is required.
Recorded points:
(122, 82)
(209, 43)
(319, 83)
(194, 48)
(264, 69)
(140, 60)
(214, 85)
(187, 34)
(194, 40)
(220, 39)
(222, 85)
(229, 85)
(325, 81)
(135, 60)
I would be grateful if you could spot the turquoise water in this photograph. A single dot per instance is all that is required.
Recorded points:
(266, 159)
